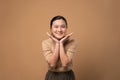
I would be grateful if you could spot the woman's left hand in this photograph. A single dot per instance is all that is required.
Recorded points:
(65, 38)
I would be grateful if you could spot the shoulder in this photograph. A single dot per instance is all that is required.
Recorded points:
(71, 41)
(71, 45)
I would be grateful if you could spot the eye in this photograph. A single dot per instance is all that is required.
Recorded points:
(63, 26)
(56, 26)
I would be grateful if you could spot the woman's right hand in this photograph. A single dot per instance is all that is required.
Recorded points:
(54, 39)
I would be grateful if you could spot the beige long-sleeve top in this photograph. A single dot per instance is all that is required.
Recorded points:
(48, 47)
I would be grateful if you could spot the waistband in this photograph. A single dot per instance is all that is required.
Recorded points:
(60, 70)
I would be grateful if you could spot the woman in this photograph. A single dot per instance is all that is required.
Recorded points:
(58, 51)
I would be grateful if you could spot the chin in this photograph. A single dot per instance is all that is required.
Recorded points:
(59, 37)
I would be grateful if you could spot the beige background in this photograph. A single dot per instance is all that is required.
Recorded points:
(96, 27)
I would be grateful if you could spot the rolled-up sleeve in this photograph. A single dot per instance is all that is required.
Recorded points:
(46, 50)
(71, 49)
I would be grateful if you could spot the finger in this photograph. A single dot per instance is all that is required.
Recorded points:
(70, 34)
(51, 36)
(48, 34)
(67, 36)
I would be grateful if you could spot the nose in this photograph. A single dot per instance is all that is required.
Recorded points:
(59, 29)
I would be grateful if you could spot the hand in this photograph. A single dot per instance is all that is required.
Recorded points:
(54, 39)
(65, 38)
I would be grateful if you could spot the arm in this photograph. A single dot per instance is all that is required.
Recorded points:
(63, 56)
(54, 57)
(65, 60)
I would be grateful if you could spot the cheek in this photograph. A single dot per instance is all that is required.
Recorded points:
(53, 30)
(64, 30)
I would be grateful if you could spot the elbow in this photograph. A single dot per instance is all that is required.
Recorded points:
(52, 65)
(64, 65)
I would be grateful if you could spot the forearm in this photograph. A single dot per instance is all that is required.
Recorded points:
(54, 58)
(63, 56)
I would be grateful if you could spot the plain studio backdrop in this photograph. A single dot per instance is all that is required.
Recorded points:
(95, 25)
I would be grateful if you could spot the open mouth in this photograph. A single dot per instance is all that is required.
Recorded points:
(59, 33)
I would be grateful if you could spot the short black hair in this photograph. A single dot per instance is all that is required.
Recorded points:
(57, 18)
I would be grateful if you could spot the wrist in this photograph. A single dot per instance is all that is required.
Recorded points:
(61, 43)
(57, 43)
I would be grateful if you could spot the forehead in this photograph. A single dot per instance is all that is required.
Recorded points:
(59, 22)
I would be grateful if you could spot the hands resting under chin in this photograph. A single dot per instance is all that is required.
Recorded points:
(61, 40)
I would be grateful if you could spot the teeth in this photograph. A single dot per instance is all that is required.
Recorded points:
(59, 34)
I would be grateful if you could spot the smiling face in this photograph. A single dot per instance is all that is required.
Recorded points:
(59, 28)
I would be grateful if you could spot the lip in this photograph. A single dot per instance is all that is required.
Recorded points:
(59, 34)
